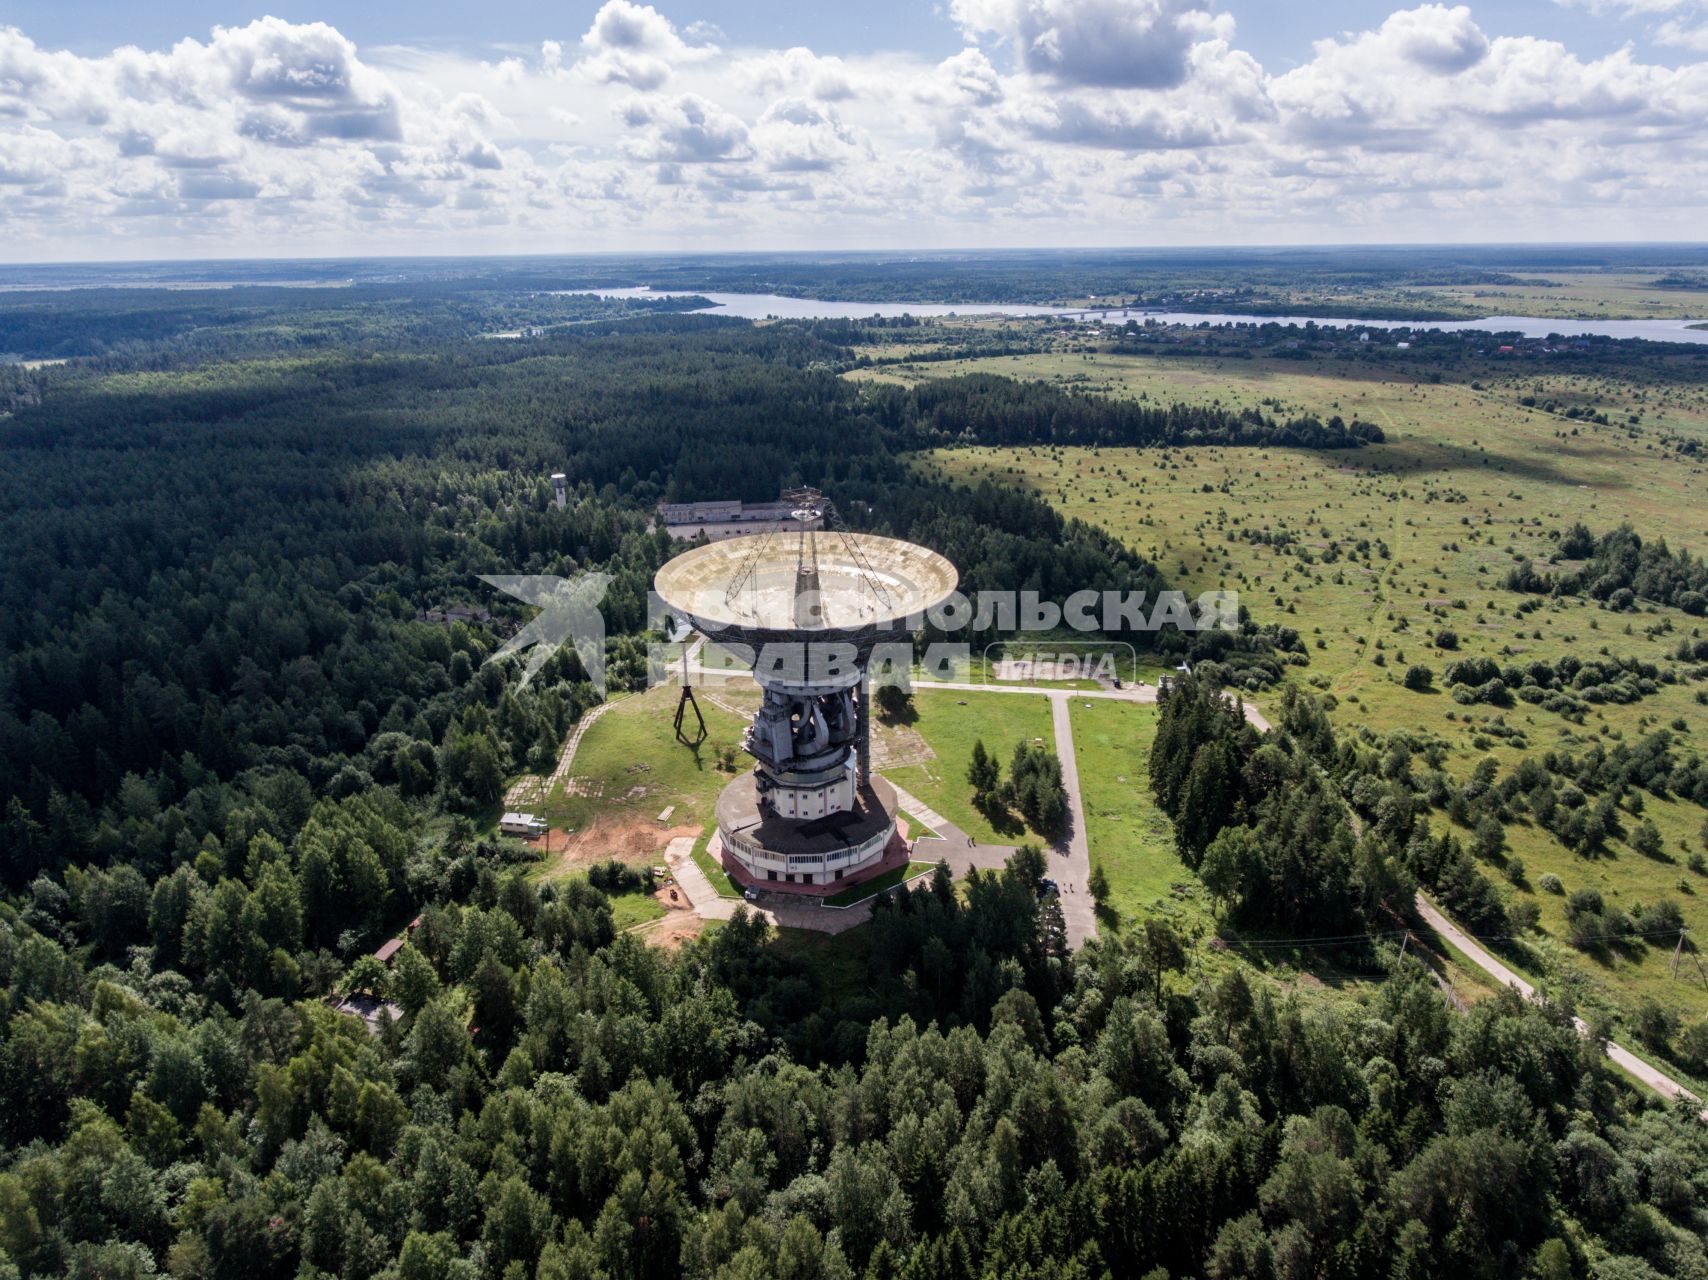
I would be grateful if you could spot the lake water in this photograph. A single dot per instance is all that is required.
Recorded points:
(765, 306)
(774, 306)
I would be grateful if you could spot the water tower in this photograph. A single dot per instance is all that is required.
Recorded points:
(812, 604)
(560, 487)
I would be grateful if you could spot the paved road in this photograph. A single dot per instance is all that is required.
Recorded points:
(1078, 909)
(1659, 1081)
(960, 850)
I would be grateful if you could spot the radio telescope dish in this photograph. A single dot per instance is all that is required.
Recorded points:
(817, 584)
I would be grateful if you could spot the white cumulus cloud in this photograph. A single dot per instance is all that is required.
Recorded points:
(634, 44)
(1065, 121)
(1122, 43)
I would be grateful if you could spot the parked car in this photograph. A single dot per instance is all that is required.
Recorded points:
(752, 895)
(1047, 887)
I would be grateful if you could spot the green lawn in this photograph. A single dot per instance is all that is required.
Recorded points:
(951, 721)
(879, 884)
(916, 829)
(632, 760)
(726, 885)
(1130, 838)
(630, 909)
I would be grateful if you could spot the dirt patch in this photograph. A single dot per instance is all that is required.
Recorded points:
(678, 903)
(627, 837)
(673, 930)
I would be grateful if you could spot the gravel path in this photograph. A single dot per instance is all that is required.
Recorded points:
(1657, 1080)
(533, 789)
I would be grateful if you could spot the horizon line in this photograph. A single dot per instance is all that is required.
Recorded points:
(920, 252)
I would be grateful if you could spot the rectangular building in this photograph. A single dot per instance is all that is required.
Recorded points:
(724, 518)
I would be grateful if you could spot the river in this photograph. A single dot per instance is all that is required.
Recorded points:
(766, 306)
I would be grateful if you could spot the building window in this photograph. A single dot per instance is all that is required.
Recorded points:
(770, 875)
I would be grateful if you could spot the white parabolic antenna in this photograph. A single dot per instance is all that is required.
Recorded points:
(751, 586)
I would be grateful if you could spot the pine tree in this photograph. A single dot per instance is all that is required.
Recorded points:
(984, 772)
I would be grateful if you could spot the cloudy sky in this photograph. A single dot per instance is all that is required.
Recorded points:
(202, 129)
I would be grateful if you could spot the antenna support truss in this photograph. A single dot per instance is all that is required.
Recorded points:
(805, 505)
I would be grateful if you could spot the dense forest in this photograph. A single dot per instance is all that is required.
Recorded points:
(990, 1106)
(237, 749)
(209, 584)
(204, 322)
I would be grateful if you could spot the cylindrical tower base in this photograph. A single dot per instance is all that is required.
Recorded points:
(777, 852)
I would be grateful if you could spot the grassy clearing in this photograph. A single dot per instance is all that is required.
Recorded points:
(631, 765)
(1613, 978)
(951, 721)
(1392, 543)
(856, 894)
(631, 909)
(916, 829)
(1130, 838)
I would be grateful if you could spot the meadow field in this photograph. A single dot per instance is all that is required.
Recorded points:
(628, 770)
(1130, 838)
(1611, 295)
(1372, 554)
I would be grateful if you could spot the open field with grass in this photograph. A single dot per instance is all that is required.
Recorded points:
(1370, 554)
(630, 760)
(1668, 395)
(950, 722)
(1585, 294)
(631, 909)
(1611, 978)
(628, 770)
(1130, 838)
